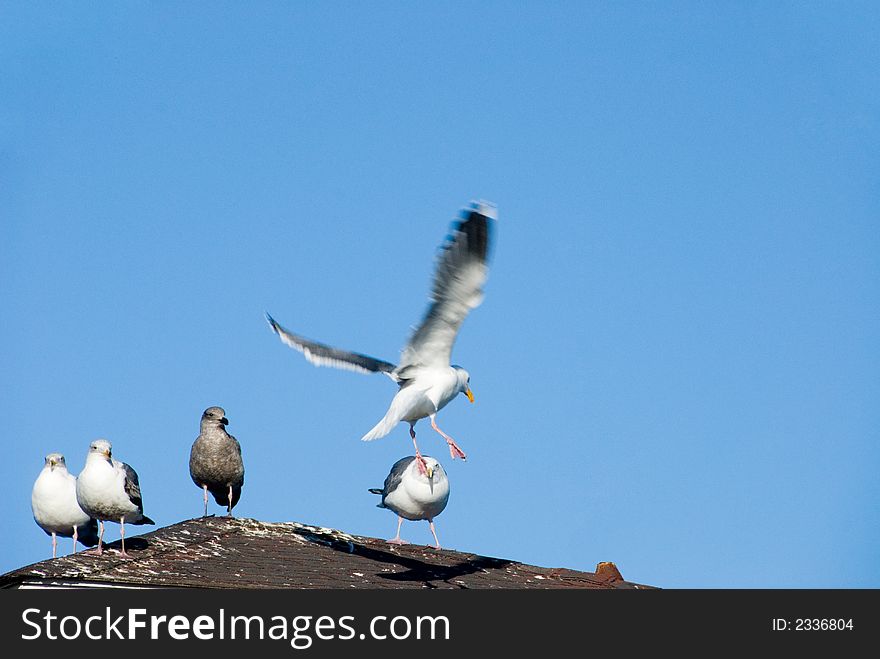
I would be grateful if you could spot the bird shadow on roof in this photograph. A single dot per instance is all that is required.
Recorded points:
(137, 543)
(417, 570)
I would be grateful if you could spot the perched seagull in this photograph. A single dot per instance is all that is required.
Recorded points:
(414, 495)
(426, 379)
(53, 501)
(109, 490)
(215, 460)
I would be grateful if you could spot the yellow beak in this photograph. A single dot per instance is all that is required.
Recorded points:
(469, 394)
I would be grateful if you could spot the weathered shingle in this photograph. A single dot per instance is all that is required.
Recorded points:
(221, 552)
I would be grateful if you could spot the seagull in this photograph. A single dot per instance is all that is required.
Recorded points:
(427, 382)
(108, 489)
(415, 495)
(53, 501)
(215, 463)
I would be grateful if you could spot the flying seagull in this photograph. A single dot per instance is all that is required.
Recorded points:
(53, 501)
(215, 463)
(108, 490)
(414, 495)
(426, 379)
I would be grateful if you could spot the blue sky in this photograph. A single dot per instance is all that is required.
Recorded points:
(676, 363)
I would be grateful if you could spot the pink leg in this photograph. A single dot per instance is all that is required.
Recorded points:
(75, 536)
(98, 550)
(454, 451)
(420, 461)
(396, 539)
(229, 502)
(205, 488)
(434, 533)
(122, 533)
(54, 545)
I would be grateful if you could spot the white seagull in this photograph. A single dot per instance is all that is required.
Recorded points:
(53, 502)
(414, 495)
(426, 379)
(108, 489)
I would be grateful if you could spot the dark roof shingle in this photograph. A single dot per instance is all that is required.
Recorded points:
(223, 552)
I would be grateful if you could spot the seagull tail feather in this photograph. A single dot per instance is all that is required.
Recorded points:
(385, 426)
(401, 404)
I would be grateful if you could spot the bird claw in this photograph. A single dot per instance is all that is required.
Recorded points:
(397, 541)
(456, 452)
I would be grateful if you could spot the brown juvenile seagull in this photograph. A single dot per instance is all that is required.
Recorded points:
(427, 381)
(215, 462)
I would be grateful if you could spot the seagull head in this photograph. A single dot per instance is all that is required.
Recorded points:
(433, 471)
(464, 382)
(55, 460)
(214, 416)
(101, 447)
(434, 474)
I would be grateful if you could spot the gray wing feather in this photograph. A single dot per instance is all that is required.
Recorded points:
(458, 287)
(238, 448)
(320, 354)
(396, 475)
(132, 486)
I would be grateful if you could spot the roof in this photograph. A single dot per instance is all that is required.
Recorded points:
(225, 552)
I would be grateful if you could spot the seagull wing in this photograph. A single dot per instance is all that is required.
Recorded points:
(324, 355)
(395, 476)
(458, 288)
(132, 485)
(238, 448)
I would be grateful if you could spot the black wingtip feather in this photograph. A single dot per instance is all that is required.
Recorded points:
(476, 225)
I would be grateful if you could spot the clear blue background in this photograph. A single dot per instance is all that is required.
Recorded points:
(676, 364)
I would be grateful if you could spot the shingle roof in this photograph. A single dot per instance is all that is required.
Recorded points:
(222, 552)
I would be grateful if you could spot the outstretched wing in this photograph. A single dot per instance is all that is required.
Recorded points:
(458, 288)
(324, 355)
